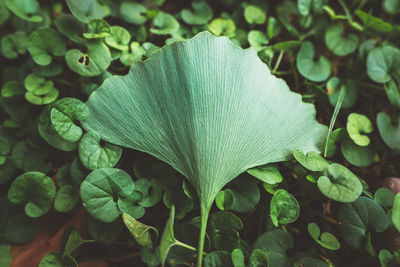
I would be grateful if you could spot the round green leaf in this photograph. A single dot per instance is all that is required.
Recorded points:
(257, 40)
(326, 240)
(151, 193)
(222, 27)
(94, 155)
(341, 185)
(63, 116)
(86, 10)
(50, 135)
(12, 88)
(133, 13)
(314, 70)
(66, 199)
(338, 43)
(274, 244)
(358, 217)
(268, 174)
(312, 160)
(384, 196)
(357, 155)
(93, 63)
(391, 6)
(201, 15)
(383, 64)
(357, 125)
(254, 15)
(284, 208)
(101, 190)
(119, 38)
(130, 206)
(165, 24)
(389, 133)
(97, 28)
(334, 87)
(29, 158)
(224, 200)
(25, 9)
(35, 190)
(45, 43)
(39, 90)
(396, 212)
(13, 44)
(71, 27)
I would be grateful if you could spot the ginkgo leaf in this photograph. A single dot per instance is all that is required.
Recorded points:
(209, 109)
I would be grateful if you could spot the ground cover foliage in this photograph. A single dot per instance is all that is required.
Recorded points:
(152, 171)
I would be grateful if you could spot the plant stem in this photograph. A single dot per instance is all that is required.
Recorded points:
(203, 226)
(278, 62)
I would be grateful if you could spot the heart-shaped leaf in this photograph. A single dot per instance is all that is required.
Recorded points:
(396, 212)
(312, 161)
(93, 63)
(13, 44)
(254, 15)
(181, 117)
(326, 240)
(133, 12)
(66, 198)
(284, 208)
(118, 38)
(334, 87)
(314, 70)
(101, 190)
(71, 27)
(356, 218)
(338, 43)
(165, 23)
(130, 206)
(25, 9)
(357, 155)
(341, 185)
(257, 40)
(35, 190)
(357, 125)
(268, 174)
(45, 43)
(222, 27)
(274, 244)
(384, 197)
(383, 64)
(63, 116)
(87, 10)
(97, 28)
(93, 154)
(39, 90)
(389, 133)
(201, 15)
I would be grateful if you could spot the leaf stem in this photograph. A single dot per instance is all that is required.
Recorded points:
(278, 62)
(203, 226)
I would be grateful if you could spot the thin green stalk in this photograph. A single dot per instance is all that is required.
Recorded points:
(334, 116)
(203, 226)
(278, 62)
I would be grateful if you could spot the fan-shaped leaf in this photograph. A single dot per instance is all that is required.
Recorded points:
(207, 104)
